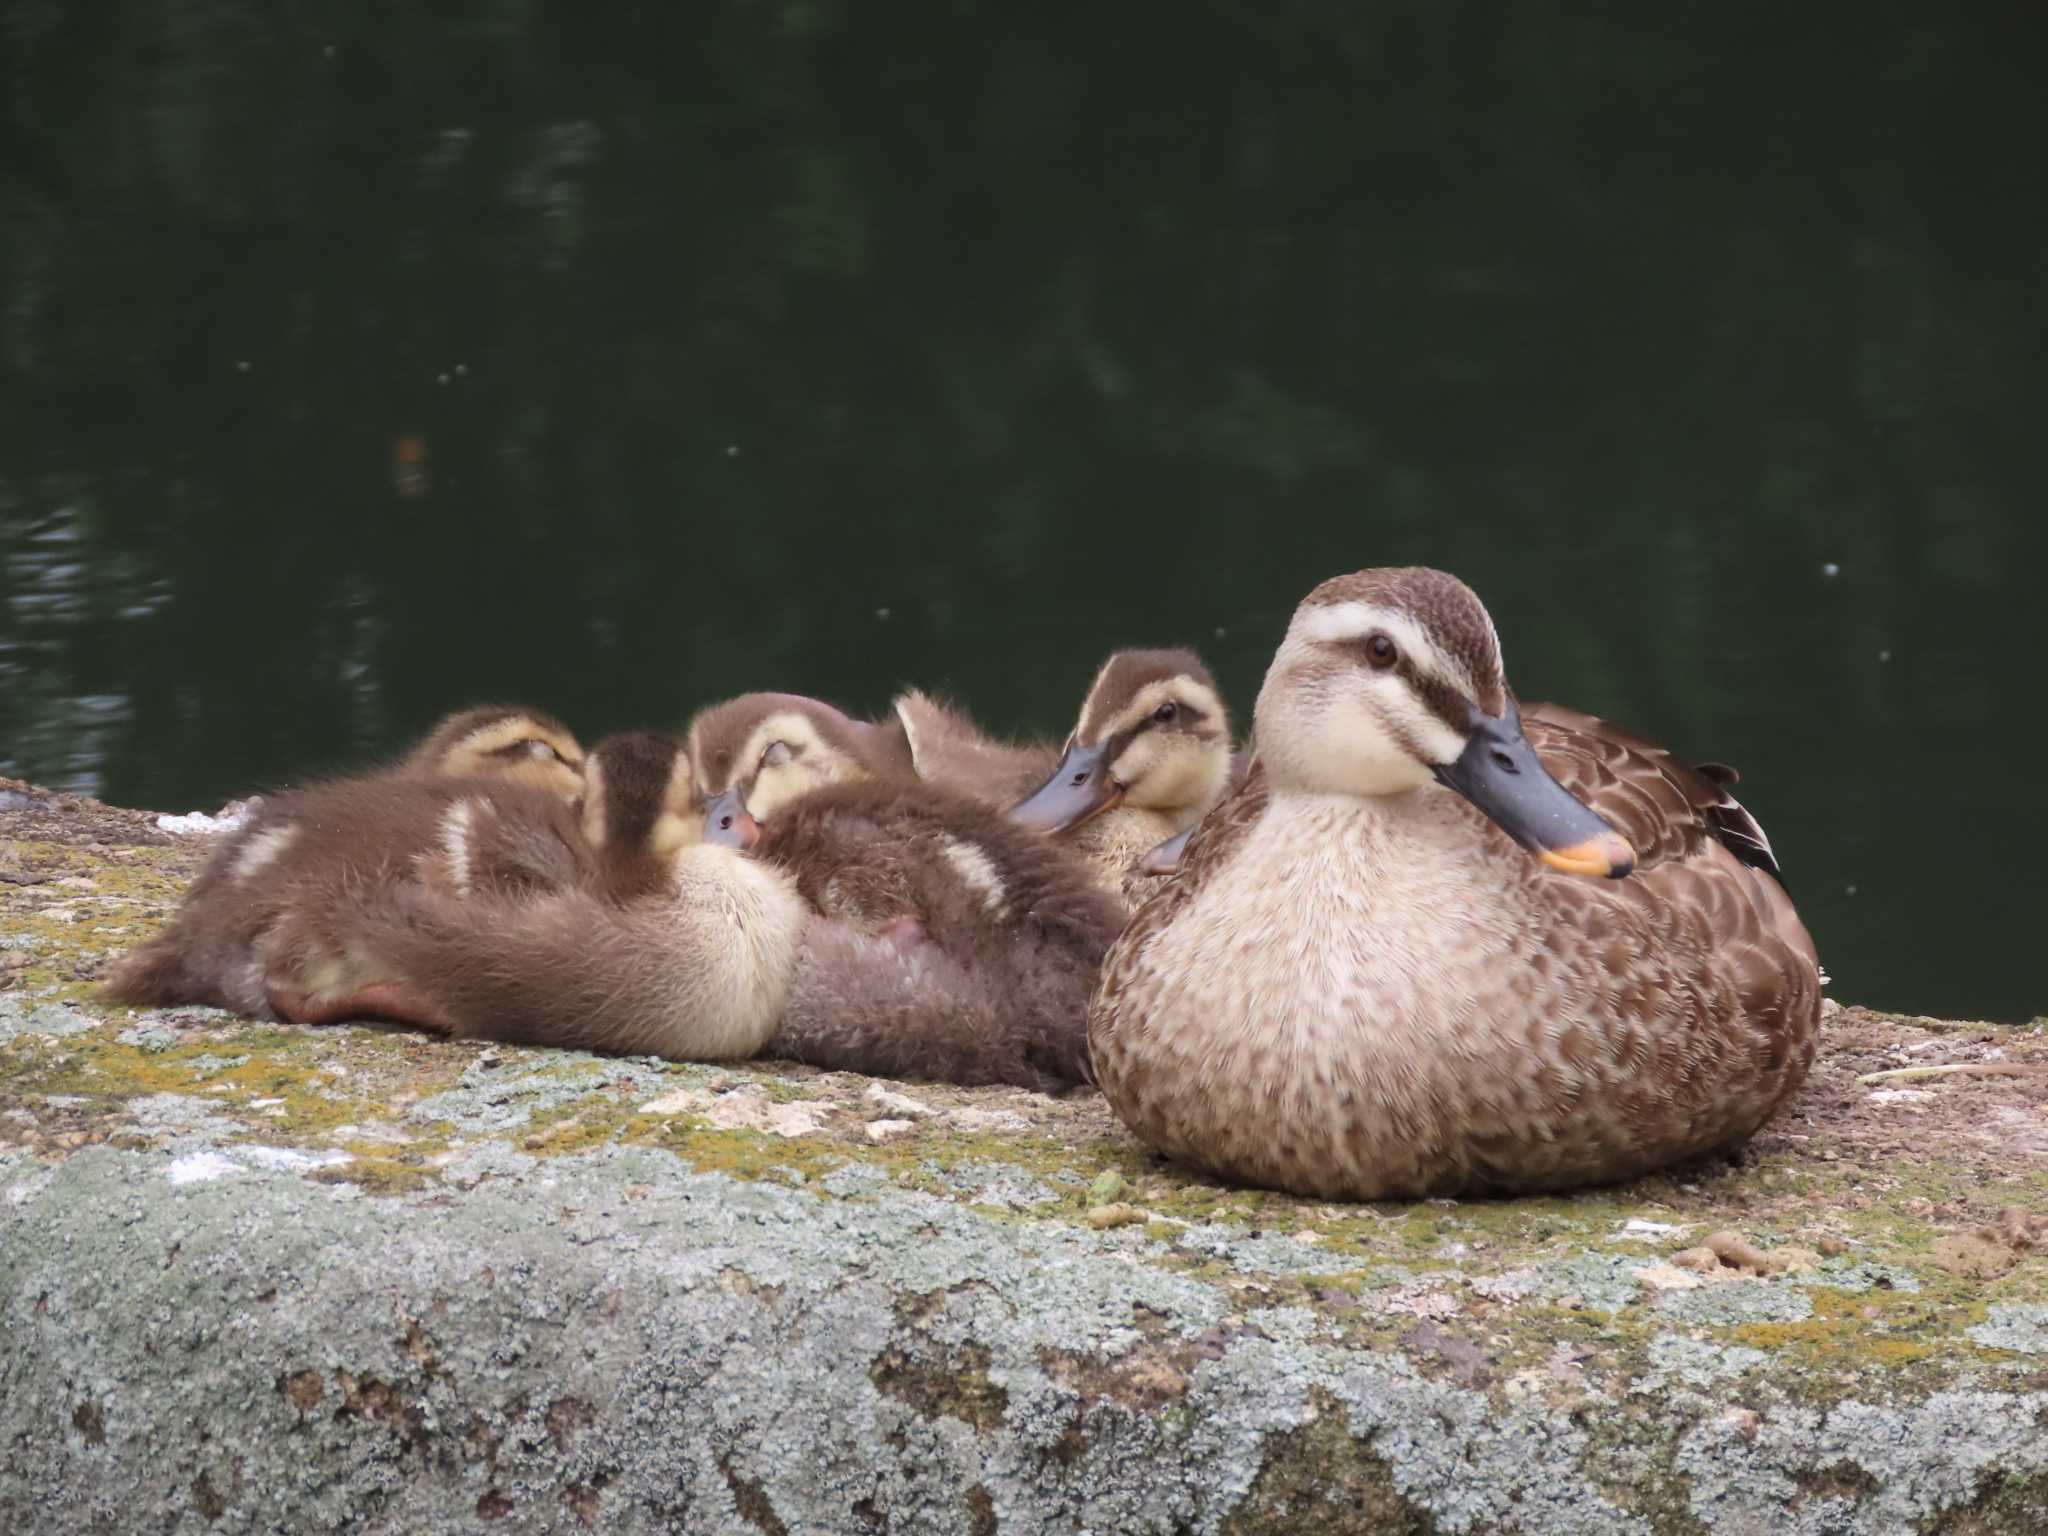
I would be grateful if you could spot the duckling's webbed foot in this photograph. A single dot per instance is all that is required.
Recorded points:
(392, 1002)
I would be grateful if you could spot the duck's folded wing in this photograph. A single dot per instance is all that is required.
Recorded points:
(1665, 807)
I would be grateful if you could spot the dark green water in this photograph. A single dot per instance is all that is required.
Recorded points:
(359, 360)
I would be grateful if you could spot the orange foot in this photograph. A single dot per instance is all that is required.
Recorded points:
(391, 1001)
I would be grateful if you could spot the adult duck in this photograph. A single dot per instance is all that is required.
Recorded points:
(1390, 967)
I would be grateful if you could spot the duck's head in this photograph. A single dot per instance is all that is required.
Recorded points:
(756, 753)
(1153, 733)
(640, 796)
(1389, 679)
(502, 741)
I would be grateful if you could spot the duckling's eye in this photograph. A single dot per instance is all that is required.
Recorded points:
(1166, 713)
(778, 753)
(540, 752)
(1381, 652)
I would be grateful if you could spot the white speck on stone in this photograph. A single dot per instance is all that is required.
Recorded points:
(879, 1131)
(1831, 570)
(684, 1101)
(968, 1118)
(900, 1105)
(1635, 1226)
(195, 824)
(200, 1168)
(264, 1103)
(292, 1158)
(1909, 1098)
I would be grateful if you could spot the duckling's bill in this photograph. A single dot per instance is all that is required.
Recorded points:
(1501, 774)
(727, 822)
(1080, 788)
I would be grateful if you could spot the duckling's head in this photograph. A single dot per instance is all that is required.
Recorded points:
(1153, 733)
(502, 741)
(756, 753)
(1389, 679)
(640, 796)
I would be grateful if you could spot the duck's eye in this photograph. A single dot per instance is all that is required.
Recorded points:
(778, 753)
(541, 752)
(1381, 652)
(1166, 713)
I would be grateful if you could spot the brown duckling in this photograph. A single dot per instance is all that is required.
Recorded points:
(507, 742)
(1001, 933)
(876, 928)
(638, 807)
(765, 749)
(346, 834)
(1148, 758)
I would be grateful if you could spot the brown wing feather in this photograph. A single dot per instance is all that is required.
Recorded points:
(1665, 807)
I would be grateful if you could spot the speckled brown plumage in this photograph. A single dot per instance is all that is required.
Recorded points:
(1378, 996)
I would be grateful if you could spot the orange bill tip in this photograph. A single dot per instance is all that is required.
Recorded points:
(1607, 856)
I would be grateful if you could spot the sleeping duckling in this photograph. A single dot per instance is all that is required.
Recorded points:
(638, 807)
(1001, 933)
(350, 833)
(763, 750)
(1148, 758)
(876, 928)
(1384, 972)
(501, 741)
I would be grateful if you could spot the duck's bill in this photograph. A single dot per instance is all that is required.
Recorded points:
(1079, 788)
(1165, 858)
(1501, 774)
(727, 823)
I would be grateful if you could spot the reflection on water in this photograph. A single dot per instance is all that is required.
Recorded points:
(357, 365)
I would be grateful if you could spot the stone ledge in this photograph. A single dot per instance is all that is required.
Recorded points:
(258, 1278)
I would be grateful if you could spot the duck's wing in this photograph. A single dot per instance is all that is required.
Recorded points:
(1665, 807)
(1674, 815)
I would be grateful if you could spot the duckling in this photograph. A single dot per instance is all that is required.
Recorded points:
(765, 749)
(874, 928)
(501, 741)
(351, 833)
(697, 971)
(1002, 934)
(1148, 758)
(1385, 971)
(948, 749)
(638, 807)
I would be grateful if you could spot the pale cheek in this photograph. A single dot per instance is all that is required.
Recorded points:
(1361, 761)
(774, 788)
(672, 832)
